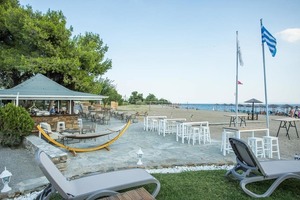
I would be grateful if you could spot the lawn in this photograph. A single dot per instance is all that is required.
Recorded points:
(214, 185)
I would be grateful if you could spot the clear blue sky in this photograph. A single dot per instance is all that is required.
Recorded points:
(185, 51)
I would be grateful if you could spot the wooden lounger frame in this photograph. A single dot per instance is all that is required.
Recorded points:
(74, 149)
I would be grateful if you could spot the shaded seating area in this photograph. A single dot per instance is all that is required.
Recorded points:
(253, 115)
(249, 170)
(93, 186)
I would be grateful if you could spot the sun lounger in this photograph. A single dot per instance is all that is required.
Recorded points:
(249, 170)
(94, 186)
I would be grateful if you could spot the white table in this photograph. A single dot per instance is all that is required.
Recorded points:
(182, 129)
(239, 130)
(147, 118)
(165, 125)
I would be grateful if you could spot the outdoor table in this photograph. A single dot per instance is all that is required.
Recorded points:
(147, 118)
(287, 123)
(183, 126)
(239, 130)
(241, 117)
(165, 123)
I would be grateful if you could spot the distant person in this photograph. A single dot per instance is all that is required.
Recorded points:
(56, 110)
(292, 112)
(297, 112)
(52, 111)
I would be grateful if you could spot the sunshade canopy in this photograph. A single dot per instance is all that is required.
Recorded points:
(41, 87)
(253, 100)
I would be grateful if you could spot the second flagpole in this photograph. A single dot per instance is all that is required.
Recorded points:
(265, 79)
(236, 81)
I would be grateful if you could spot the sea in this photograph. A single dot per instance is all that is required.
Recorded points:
(244, 108)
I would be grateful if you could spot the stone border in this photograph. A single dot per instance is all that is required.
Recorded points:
(58, 157)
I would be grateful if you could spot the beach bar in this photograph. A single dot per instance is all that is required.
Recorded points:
(40, 88)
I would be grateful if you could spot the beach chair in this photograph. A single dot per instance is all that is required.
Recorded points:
(94, 186)
(249, 170)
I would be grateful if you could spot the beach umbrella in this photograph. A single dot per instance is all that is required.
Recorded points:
(253, 101)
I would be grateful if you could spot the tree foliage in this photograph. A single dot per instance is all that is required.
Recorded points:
(33, 42)
(108, 89)
(151, 98)
(135, 98)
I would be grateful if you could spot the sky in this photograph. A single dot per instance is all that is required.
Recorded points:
(185, 50)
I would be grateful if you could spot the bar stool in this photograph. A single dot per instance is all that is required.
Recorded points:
(173, 127)
(257, 145)
(80, 124)
(194, 134)
(225, 145)
(271, 146)
(205, 135)
(160, 126)
(187, 132)
(170, 127)
(153, 125)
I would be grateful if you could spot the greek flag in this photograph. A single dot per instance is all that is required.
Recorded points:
(269, 39)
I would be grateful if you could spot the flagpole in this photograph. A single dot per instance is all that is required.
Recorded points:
(237, 79)
(265, 79)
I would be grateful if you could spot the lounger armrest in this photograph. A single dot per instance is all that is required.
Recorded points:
(271, 189)
(101, 193)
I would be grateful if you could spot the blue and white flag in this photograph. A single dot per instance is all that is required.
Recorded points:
(269, 39)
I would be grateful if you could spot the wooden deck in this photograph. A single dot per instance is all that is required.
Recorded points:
(137, 194)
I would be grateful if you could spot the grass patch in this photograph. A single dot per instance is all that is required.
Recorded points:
(214, 185)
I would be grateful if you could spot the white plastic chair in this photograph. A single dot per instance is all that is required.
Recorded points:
(48, 130)
(60, 126)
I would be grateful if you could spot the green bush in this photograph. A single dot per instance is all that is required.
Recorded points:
(15, 124)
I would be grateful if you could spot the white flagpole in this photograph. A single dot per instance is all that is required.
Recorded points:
(236, 81)
(265, 79)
